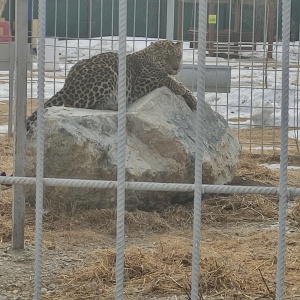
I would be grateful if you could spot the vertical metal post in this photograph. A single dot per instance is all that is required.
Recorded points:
(271, 24)
(180, 20)
(158, 18)
(20, 122)
(134, 28)
(121, 172)
(202, 28)
(283, 183)
(195, 45)
(211, 29)
(147, 20)
(90, 10)
(239, 49)
(217, 50)
(276, 68)
(237, 21)
(252, 71)
(67, 35)
(228, 52)
(78, 28)
(40, 141)
(55, 44)
(11, 87)
(112, 24)
(101, 26)
(264, 70)
(11, 77)
(170, 20)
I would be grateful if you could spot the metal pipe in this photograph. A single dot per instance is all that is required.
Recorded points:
(40, 153)
(149, 186)
(20, 122)
(122, 137)
(170, 20)
(283, 182)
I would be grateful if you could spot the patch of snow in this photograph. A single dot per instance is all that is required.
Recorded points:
(277, 167)
(249, 103)
(3, 129)
(294, 134)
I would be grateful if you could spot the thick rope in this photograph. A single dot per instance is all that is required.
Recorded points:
(283, 183)
(150, 186)
(199, 147)
(40, 152)
(121, 188)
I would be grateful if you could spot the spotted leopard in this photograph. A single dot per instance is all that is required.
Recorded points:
(92, 83)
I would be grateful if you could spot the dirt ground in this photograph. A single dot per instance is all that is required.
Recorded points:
(238, 245)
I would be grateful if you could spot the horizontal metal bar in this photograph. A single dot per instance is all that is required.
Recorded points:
(150, 186)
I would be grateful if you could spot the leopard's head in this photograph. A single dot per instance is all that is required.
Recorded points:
(167, 55)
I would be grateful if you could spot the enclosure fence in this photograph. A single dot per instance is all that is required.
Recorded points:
(121, 185)
(244, 55)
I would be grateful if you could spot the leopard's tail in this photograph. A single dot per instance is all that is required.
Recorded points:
(56, 100)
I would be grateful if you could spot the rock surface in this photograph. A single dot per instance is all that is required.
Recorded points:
(82, 144)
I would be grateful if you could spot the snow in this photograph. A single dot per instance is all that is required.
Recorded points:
(249, 103)
(3, 129)
(294, 134)
(277, 167)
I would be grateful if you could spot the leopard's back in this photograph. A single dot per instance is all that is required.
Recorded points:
(93, 83)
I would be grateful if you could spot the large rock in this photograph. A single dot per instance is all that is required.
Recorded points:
(82, 144)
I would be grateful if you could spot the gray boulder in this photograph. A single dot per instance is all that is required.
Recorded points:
(82, 144)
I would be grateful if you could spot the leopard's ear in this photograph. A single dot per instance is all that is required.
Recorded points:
(154, 45)
(179, 45)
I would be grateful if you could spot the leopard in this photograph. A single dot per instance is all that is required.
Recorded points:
(92, 83)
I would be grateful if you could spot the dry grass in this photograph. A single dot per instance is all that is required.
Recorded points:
(238, 267)
(5, 196)
(251, 168)
(31, 106)
(294, 215)
(5, 216)
(216, 211)
(6, 153)
(238, 250)
(268, 137)
(216, 208)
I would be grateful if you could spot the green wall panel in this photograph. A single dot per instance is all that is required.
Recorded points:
(93, 18)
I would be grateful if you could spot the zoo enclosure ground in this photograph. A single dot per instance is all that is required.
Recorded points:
(238, 250)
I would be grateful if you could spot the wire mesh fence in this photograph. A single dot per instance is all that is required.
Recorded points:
(246, 36)
(250, 38)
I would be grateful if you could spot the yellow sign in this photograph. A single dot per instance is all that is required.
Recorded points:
(212, 19)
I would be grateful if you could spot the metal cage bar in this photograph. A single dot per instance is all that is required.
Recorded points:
(121, 185)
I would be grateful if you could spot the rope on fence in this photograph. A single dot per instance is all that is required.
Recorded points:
(199, 147)
(283, 183)
(121, 187)
(40, 152)
(150, 186)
